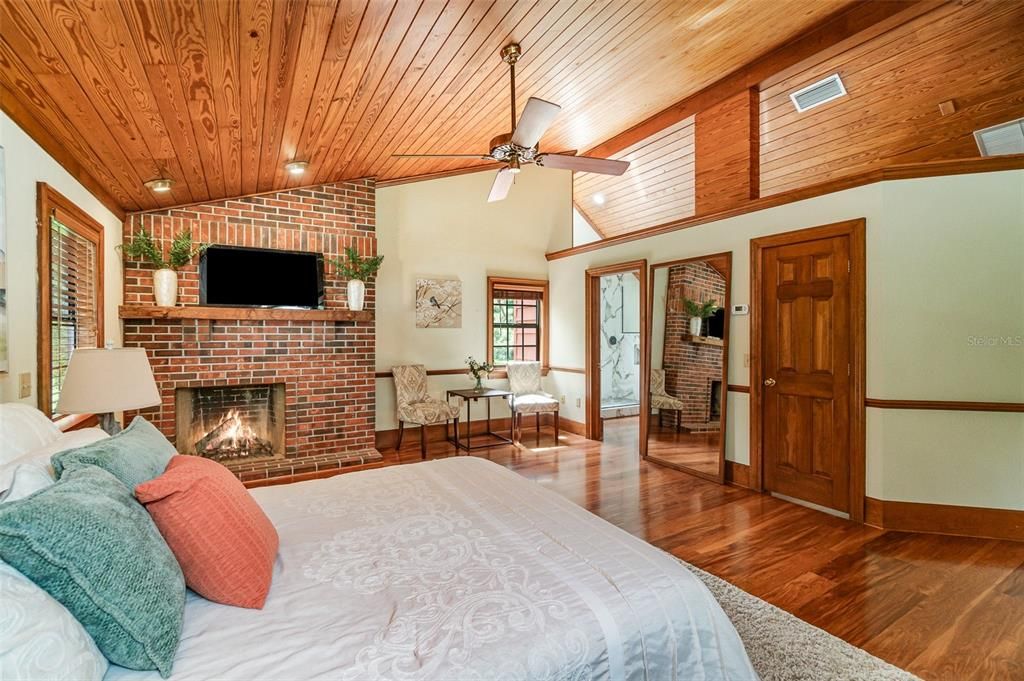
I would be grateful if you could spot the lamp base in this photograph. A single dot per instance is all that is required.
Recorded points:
(109, 424)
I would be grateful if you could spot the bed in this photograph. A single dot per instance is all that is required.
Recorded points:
(457, 569)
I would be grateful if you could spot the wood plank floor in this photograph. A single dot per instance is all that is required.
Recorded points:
(940, 607)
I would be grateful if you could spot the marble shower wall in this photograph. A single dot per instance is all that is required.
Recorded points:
(620, 339)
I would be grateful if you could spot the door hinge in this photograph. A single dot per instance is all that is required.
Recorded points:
(847, 369)
(849, 266)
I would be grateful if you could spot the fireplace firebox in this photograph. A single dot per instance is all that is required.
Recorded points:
(231, 423)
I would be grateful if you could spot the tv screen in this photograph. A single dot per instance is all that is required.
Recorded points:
(260, 277)
(716, 324)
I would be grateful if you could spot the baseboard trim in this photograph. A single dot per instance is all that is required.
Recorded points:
(386, 439)
(959, 521)
(737, 474)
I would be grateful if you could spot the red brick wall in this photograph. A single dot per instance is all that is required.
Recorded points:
(690, 367)
(327, 366)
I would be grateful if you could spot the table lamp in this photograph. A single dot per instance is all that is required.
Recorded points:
(102, 381)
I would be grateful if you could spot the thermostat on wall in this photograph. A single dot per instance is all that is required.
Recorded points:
(741, 309)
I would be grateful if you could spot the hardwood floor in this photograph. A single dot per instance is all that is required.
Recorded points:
(939, 607)
(698, 451)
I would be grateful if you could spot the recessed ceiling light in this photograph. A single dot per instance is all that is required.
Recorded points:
(296, 167)
(160, 185)
(598, 199)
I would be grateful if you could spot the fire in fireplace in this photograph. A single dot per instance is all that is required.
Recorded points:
(231, 423)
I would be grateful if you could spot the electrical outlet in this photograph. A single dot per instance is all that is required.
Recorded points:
(746, 360)
(563, 399)
(24, 385)
(578, 402)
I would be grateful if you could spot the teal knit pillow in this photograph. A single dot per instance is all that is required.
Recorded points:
(88, 543)
(136, 455)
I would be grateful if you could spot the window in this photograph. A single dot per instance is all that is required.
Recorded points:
(71, 289)
(517, 325)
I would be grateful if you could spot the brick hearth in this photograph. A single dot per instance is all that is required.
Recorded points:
(327, 366)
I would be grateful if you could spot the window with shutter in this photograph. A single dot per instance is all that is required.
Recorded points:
(517, 324)
(71, 295)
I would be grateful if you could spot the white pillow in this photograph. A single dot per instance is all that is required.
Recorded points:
(28, 479)
(39, 638)
(40, 456)
(22, 429)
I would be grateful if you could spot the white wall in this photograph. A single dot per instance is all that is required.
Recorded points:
(25, 164)
(582, 231)
(445, 227)
(945, 267)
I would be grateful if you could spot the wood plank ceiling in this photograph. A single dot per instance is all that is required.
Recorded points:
(219, 95)
(658, 188)
(971, 54)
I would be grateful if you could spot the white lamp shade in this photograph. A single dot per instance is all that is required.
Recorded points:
(101, 380)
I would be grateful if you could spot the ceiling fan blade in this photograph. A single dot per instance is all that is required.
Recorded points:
(536, 118)
(479, 156)
(502, 183)
(583, 164)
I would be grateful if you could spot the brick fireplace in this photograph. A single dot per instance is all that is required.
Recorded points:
(308, 375)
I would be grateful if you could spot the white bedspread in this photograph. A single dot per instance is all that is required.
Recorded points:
(457, 569)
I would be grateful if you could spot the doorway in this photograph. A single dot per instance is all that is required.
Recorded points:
(616, 314)
(808, 374)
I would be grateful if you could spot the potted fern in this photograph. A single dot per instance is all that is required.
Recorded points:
(698, 312)
(358, 270)
(141, 247)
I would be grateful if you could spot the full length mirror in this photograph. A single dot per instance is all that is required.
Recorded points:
(689, 327)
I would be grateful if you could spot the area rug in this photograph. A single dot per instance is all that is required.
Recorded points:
(785, 648)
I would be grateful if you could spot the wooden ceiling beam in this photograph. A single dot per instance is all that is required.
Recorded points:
(839, 32)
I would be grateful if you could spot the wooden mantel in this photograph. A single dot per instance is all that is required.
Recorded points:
(244, 313)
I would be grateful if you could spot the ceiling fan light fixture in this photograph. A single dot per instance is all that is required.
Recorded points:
(160, 185)
(513, 166)
(296, 167)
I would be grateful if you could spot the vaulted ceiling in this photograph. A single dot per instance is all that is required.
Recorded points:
(218, 95)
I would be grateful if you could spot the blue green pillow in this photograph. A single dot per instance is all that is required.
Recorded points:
(136, 455)
(88, 543)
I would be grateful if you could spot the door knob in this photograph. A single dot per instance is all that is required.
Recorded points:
(769, 382)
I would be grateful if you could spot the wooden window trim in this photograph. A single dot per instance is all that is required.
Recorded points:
(518, 284)
(50, 202)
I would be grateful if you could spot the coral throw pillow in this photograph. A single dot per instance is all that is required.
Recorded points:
(224, 542)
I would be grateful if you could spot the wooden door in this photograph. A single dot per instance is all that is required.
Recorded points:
(806, 370)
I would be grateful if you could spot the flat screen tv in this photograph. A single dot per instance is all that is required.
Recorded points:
(261, 277)
(715, 324)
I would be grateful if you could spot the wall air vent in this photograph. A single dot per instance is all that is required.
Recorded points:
(1002, 139)
(816, 94)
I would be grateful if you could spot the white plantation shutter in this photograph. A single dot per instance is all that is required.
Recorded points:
(74, 293)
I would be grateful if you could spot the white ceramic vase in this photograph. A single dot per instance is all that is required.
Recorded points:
(165, 287)
(356, 294)
(695, 325)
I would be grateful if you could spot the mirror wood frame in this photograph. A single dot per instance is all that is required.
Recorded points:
(645, 379)
(594, 426)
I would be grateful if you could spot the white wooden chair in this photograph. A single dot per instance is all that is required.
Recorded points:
(528, 398)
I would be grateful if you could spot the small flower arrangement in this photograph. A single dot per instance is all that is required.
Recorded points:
(478, 370)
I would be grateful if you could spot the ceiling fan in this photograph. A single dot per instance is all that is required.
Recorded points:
(520, 146)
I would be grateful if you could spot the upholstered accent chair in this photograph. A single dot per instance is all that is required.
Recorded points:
(662, 401)
(528, 398)
(419, 408)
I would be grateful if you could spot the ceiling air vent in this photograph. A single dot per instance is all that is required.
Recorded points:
(816, 94)
(1005, 138)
